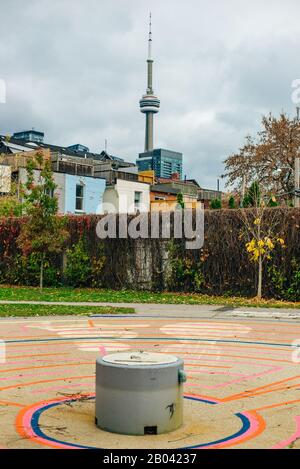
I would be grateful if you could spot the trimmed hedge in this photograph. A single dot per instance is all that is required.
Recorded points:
(221, 267)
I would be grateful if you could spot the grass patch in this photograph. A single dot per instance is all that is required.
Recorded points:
(130, 296)
(26, 310)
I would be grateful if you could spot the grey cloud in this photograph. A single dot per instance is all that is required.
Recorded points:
(76, 69)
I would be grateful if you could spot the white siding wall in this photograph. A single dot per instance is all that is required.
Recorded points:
(60, 191)
(110, 200)
(121, 196)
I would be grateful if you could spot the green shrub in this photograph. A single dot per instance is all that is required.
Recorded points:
(78, 269)
(293, 291)
(97, 265)
(10, 207)
(246, 202)
(25, 270)
(231, 202)
(254, 195)
(216, 204)
(82, 269)
(286, 287)
(186, 273)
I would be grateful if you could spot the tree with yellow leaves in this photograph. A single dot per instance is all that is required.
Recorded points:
(261, 234)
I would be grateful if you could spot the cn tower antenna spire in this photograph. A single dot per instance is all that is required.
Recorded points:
(150, 39)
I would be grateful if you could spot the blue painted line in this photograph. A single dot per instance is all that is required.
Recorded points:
(51, 339)
(245, 427)
(202, 400)
(36, 428)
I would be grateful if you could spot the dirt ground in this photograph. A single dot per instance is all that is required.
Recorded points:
(242, 391)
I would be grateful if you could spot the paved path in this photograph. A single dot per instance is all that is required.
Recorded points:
(243, 388)
(179, 310)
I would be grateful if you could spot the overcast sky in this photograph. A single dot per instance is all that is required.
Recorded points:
(76, 70)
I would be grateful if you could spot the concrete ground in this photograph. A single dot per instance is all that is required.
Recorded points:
(243, 387)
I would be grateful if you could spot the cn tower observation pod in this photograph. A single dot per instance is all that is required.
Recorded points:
(149, 103)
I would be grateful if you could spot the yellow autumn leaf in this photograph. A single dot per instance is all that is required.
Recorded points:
(269, 243)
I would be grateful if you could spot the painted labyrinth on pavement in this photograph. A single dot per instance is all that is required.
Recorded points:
(243, 387)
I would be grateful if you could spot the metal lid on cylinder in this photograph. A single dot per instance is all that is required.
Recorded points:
(139, 359)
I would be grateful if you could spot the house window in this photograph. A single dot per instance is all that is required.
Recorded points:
(137, 200)
(79, 197)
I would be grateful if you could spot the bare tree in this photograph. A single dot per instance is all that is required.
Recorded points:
(268, 158)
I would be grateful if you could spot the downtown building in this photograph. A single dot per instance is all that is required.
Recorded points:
(164, 163)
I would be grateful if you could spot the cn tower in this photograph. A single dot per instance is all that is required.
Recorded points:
(149, 104)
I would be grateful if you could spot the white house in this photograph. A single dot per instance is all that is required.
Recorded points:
(126, 197)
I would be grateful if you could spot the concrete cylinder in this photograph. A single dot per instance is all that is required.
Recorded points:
(139, 393)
